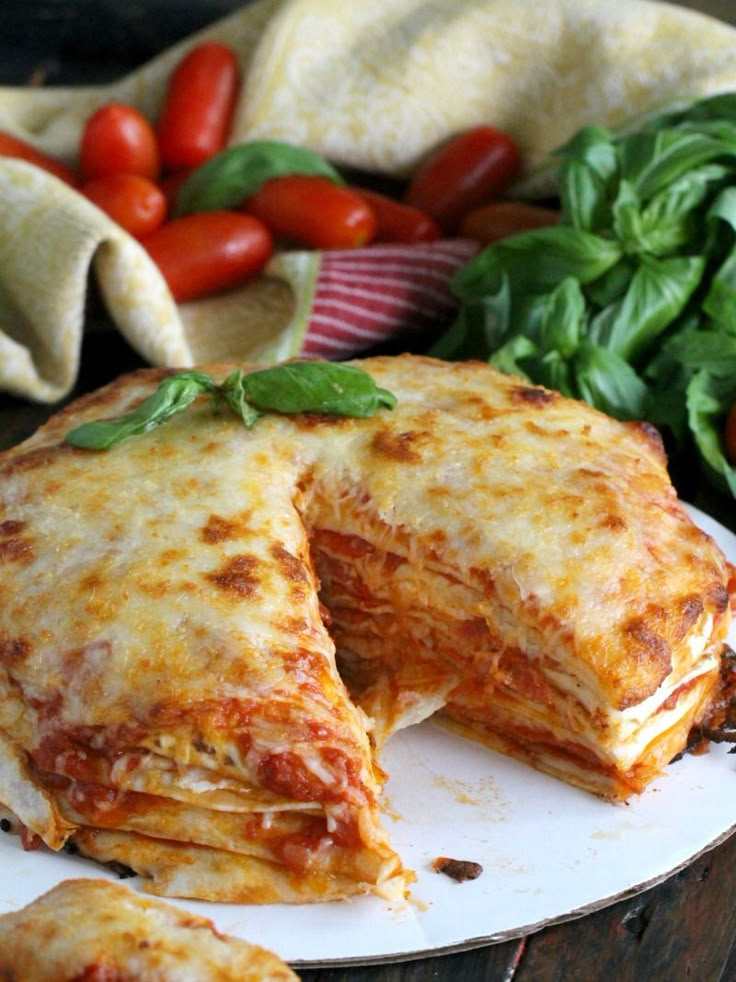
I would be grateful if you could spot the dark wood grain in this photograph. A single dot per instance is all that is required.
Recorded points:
(682, 928)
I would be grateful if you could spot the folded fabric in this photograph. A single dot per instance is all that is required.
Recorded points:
(370, 86)
(356, 299)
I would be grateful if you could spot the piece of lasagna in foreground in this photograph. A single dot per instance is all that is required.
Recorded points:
(170, 698)
(86, 930)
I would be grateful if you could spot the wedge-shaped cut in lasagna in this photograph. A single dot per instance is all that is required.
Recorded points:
(169, 609)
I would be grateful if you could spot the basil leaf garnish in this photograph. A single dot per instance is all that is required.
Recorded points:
(295, 387)
(235, 173)
(172, 396)
(316, 387)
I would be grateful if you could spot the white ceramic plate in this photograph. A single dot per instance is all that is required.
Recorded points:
(549, 852)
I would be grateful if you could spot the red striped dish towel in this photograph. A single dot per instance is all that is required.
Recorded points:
(361, 298)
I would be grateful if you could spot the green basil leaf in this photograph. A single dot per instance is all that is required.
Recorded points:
(672, 219)
(237, 172)
(613, 284)
(601, 322)
(535, 262)
(595, 147)
(589, 165)
(583, 197)
(316, 387)
(233, 392)
(720, 300)
(564, 316)
(714, 107)
(608, 382)
(172, 396)
(721, 213)
(479, 328)
(722, 130)
(510, 356)
(627, 218)
(712, 350)
(659, 291)
(653, 160)
(554, 371)
(668, 379)
(709, 398)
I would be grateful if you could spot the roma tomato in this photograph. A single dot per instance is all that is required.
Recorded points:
(130, 200)
(501, 219)
(117, 139)
(313, 211)
(464, 173)
(208, 252)
(397, 222)
(11, 146)
(198, 108)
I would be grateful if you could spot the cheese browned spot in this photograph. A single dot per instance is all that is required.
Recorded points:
(239, 576)
(219, 529)
(217, 628)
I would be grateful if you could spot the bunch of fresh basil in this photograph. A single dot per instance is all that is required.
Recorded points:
(629, 303)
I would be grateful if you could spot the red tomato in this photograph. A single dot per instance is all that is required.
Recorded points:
(11, 146)
(198, 109)
(464, 173)
(313, 211)
(130, 200)
(208, 252)
(501, 219)
(397, 222)
(730, 435)
(117, 139)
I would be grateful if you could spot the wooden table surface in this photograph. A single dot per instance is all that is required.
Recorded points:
(685, 927)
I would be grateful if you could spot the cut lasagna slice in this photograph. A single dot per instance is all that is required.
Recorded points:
(522, 564)
(95, 929)
(170, 697)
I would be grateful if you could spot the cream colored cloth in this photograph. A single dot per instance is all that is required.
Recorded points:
(373, 86)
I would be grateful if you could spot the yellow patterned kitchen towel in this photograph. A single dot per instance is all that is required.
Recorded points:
(373, 86)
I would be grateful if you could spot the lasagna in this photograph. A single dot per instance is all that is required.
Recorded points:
(208, 632)
(117, 935)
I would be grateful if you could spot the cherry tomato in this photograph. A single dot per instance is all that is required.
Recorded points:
(11, 146)
(210, 251)
(463, 173)
(117, 139)
(198, 108)
(730, 435)
(313, 211)
(501, 219)
(130, 200)
(397, 222)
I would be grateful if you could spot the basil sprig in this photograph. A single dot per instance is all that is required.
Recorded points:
(630, 301)
(235, 173)
(294, 387)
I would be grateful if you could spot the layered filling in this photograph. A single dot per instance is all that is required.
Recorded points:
(414, 639)
(228, 820)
